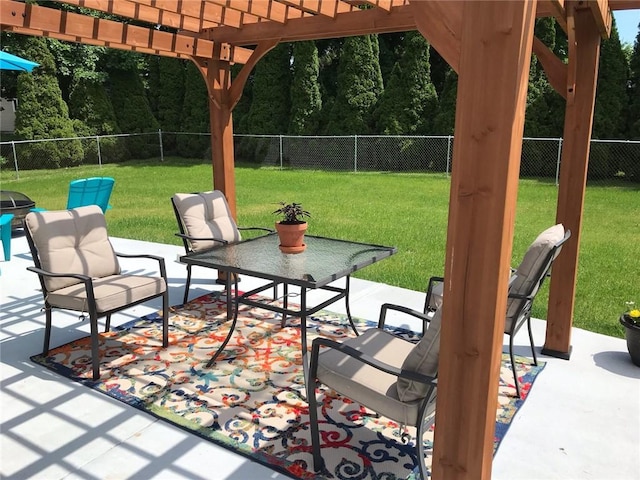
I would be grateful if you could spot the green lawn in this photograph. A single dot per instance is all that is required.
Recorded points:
(405, 210)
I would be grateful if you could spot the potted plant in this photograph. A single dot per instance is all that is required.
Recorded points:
(291, 227)
(631, 322)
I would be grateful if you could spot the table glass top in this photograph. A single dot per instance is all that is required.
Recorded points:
(323, 261)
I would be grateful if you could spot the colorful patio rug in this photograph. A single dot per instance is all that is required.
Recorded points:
(249, 401)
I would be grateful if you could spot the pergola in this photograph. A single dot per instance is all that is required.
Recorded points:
(489, 45)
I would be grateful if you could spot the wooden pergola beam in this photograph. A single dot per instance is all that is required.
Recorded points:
(74, 27)
(440, 22)
(554, 68)
(358, 22)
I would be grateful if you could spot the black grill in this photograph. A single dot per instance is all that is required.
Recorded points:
(18, 204)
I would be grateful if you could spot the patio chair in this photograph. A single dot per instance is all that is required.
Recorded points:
(79, 270)
(524, 284)
(205, 221)
(383, 372)
(90, 191)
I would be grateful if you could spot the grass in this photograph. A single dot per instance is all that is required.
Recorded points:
(405, 210)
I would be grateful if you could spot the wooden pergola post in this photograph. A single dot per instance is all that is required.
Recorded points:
(494, 65)
(222, 155)
(583, 68)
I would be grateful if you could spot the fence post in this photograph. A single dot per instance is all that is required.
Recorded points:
(355, 154)
(99, 154)
(280, 147)
(558, 161)
(448, 154)
(15, 159)
(161, 150)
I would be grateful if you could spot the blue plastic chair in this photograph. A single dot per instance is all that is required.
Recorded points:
(90, 191)
(5, 234)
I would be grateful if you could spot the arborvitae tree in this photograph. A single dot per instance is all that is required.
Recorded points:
(153, 83)
(241, 110)
(306, 102)
(133, 112)
(328, 58)
(445, 120)
(545, 107)
(358, 88)
(391, 45)
(610, 107)
(170, 97)
(629, 164)
(633, 119)
(42, 113)
(195, 115)
(269, 113)
(409, 94)
(93, 114)
(439, 68)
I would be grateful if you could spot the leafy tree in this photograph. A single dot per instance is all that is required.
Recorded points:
(75, 61)
(306, 102)
(195, 115)
(132, 111)
(93, 114)
(42, 113)
(358, 87)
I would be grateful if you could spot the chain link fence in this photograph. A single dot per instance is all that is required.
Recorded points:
(541, 157)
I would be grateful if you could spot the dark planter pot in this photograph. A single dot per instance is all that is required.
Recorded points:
(632, 334)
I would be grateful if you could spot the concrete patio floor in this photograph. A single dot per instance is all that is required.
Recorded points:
(580, 421)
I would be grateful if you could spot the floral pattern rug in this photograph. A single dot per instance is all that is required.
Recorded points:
(249, 401)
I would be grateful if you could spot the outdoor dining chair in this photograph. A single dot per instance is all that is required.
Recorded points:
(524, 285)
(205, 221)
(79, 271)
(383, 372)
(90, 191)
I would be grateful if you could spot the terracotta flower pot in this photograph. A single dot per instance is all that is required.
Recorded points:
(291, 237)
(632, 334)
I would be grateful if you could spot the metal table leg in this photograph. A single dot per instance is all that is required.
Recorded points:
(212, 360)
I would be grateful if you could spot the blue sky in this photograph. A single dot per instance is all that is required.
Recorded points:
(627, 22)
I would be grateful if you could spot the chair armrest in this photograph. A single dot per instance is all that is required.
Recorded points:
(85, 279)
(45, 273)
(401, 309)
(367, 359)
(188, 237)
(160, 260)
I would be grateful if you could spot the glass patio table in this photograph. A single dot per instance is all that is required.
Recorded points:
(324, 261)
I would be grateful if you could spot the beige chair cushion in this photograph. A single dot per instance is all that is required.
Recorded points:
(528, 272)
(114, 291)
(367, 385)
(423, 359)
(206, 215)
(72, 241)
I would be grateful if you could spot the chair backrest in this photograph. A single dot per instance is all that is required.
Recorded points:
(204, 215)
(90, 191)
(534, 268)
(423, 359)
(70, 241)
